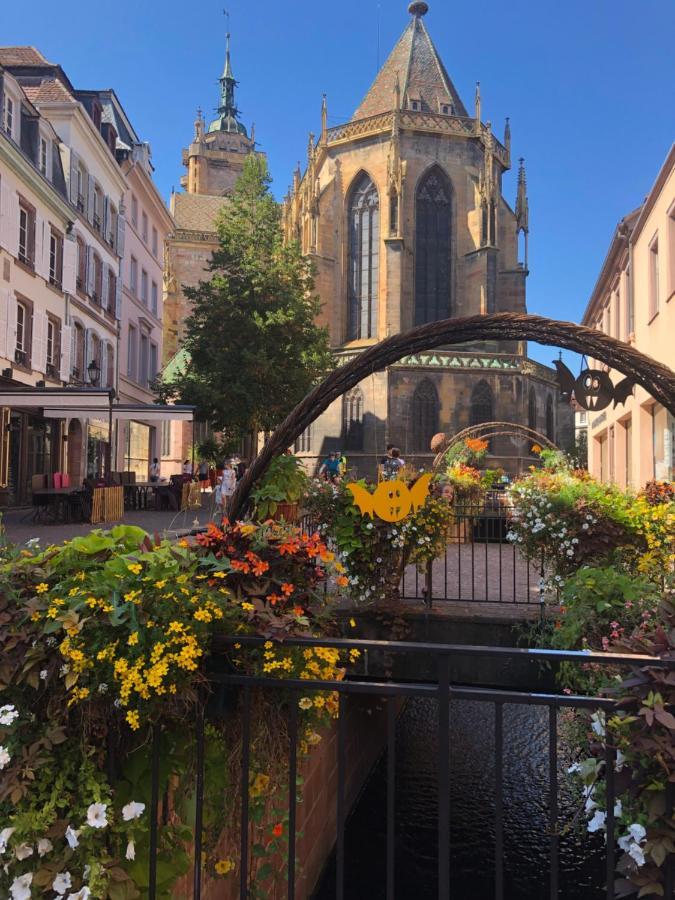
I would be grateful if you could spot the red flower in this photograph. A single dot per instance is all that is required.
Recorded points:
(298, 611)
(287, 589)
(278, 830)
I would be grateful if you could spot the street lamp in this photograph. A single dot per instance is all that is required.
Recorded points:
(94, 371)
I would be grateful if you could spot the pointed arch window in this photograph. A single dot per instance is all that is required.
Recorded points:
(364, 257)
(425, 409)
(433, 245)
(482, 404)
(550, 425)
(532, 409)
(352, 419)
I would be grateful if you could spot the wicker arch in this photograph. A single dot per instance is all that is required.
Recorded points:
(657, 379)
(487, 430)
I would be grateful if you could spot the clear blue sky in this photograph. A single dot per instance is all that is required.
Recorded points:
(589, 86)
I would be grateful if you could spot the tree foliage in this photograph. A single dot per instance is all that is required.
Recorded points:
(254, 346)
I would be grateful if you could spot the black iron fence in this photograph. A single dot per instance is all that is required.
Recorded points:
(370, 682)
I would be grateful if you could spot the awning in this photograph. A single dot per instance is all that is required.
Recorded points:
(153, 412)
(88, 399)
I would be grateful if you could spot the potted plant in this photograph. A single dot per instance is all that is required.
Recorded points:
(278, 494)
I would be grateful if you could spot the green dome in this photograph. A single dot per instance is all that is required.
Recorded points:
(227, 122)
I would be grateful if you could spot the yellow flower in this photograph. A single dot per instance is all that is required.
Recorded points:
(319, 701)
(259, 784)
(268, 645)
(247, 606)
(219, 575)
(133, 639)
(42, 588)
(237, 646)
(352, 623)
(52, 612)
(91, 602)
(80, 576)
(133, 719)
(73, 591)
(135, 568)
(160, 584)
(203, 615)
(35, 617)
(247, 529)
(305, 703)
(224, 866)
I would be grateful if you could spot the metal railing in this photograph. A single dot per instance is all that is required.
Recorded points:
(438, 659)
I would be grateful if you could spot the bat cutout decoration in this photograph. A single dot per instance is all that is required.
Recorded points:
(593, 389)
(392, 500)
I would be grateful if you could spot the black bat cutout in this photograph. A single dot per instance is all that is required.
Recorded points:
(593, 389)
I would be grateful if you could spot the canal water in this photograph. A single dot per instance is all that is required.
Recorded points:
(526, 839)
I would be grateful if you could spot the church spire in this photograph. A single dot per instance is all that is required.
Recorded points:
(522, 206)
(228, 114)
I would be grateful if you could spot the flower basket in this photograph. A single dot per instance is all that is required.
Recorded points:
(289, 512)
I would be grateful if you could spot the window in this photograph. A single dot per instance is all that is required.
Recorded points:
(144, 287)
(352, 419)
(43, 156)
(166, 439)
(654, 278)
(134, 210)
(671, 250)
(152, 371)
(9, 115)
(617, 314)
(97, 295)
(532, 410)
(433, 210)
(132, 350)
(133, 276)
(112, 225)
(95, 356)
(82, 178)
(53, 348)
(55, 258)
(155, 242)
(78, 352)
(112, 292)
(22, 337)
(364, 252)
(304, 442)
(550, 424)
(153, 298)
(109, 365)
(97, 213)
(81, 278)
(424, 416)
(630, 304)
(26, 234)
(143, 360)
(482, 404)
(144, 227)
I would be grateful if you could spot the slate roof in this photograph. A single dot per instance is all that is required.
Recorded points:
(196, 212)
(420, 72)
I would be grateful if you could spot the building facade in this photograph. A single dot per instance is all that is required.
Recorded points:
(634, 301)
(402, 213)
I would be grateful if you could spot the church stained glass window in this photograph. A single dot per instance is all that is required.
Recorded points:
(532, 409)
(364, 252)
(482, 404)
(424, 416)
(433, 227)
(352, 419)
(550, 427)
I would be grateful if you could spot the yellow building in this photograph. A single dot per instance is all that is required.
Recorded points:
(634, 300)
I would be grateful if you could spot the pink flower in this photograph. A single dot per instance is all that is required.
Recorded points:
(605, 643)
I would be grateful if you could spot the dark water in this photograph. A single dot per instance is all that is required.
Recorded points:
(526, 840)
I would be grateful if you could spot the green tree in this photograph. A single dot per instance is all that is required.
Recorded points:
(254, 348)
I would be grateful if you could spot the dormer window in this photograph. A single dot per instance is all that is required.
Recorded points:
(43, 160)
(414, 101)
(96, 113)
(8, 116)
(446, 109)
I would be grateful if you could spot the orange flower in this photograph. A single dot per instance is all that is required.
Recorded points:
(274, 598)
(535, 448)
(278, 830)
(287, 589)
(476, 445)
(240, 566)
(342, 581)
(290, 547)
(298, 611)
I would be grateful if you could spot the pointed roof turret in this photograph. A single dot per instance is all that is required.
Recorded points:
(227, 110)
(522, 205)
(422, 75)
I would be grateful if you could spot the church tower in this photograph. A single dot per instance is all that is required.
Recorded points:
(402, 212)
(213, 162)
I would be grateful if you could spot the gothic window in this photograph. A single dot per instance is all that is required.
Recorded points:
(550, 428)
(364, 252)
(424, 416)
(532, 409)
(433, 247)
(352, 419)
(482, 404)
(304, 442)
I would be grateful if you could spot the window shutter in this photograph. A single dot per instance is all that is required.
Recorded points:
(118, 298)
(41, 239)
(90, 199)
(119, 243)
(39, 346)
(66, 351)
(87, 350)
(106, 217)
(69, 264)
(73, 177)
(5, 299)
(103, 300)
(89, 281)
(11, 327)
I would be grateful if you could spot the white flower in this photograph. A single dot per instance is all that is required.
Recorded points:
(23, 851)
(44, 845)
(635, 851)
(585, 526)
(72, 836)
(618, 809)
(131, 850)
(598, 723)
(620, 760)
(637, 832)
(4, 756)
(62, 883)
(102, 688)
(597, 822)
(7, 714)
(43, 674)
(5, 835)
(83, 894)
(574, 768)
(65, 668)
(132, 811)
(96, 817)
(85, 872)
(20, 887)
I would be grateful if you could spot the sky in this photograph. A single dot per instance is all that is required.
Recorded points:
(589, 86)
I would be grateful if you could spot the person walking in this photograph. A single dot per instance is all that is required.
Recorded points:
(154, 471)
(203, 475)
(187, 467)
(227, 485)
(393, 465)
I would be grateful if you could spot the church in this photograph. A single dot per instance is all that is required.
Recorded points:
(402, 214)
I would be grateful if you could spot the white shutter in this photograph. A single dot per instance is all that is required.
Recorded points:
(104, 287)
(118, 297)
(89, 281)
(39, 346)
(119, 243)
(69, 265)
(73, 177)
(11, 327)
(66, 351)
(90, 199)
(9, 219)
(5, 298)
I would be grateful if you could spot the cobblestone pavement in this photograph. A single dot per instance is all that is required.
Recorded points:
(20, 529)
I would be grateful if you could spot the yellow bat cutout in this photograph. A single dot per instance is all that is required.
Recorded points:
(392, 500)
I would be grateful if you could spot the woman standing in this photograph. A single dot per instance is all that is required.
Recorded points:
(227, 486)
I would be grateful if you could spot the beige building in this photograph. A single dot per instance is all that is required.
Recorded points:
(634, 300)
(401, 210)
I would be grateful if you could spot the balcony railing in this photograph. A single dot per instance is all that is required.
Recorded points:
(21, 358)
(52, 372)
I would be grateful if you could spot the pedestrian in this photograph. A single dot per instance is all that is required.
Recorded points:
(187, 467)
(342, 463)
(203, 475)
(392, 467)
(330, 468)
(154, 470)
(227, 485)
